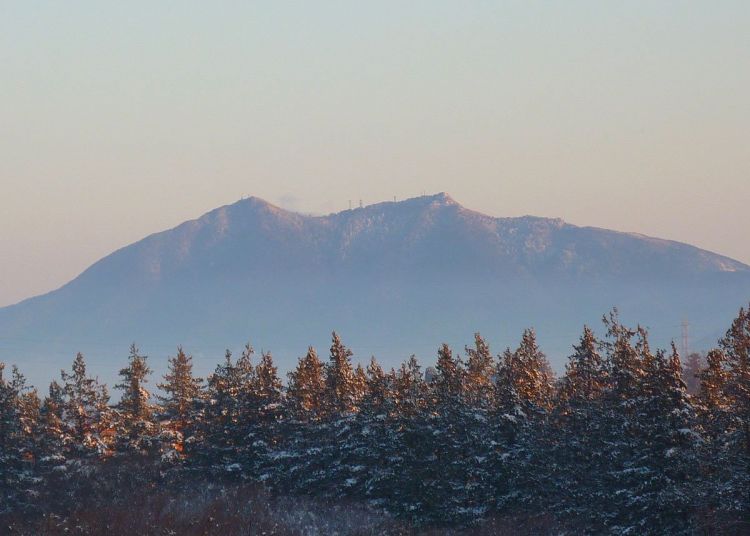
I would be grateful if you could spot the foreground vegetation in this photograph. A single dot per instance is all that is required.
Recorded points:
(494, 443)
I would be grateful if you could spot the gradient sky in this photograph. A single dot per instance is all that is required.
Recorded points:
(123, 119)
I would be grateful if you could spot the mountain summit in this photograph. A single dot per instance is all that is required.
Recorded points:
(393, 277)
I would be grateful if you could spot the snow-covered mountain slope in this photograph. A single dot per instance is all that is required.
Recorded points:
(394, 278)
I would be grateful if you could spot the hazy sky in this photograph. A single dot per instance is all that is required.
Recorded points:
(123, 119)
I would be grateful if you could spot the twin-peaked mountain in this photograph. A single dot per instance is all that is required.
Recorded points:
(394, 278)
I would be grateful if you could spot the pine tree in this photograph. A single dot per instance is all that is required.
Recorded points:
(341, 386)
(523, 399)
(180, 405)
(713, 402)
(617, 471)
(51, 443)
(736, 459)
(693, 367)
(585, 375)
(377, 443)
(574, 441)
(19, 407)
(444, 496)
(412, 458)
(306, 388)
(714, 407)
(223, 429)
(341, 398)
(88, 419)
(53, 436)
(667, 455)
(480, 368)
(535, 381)
(447, 385)
(260, 425)
(460, 400)
(291, 467)
(137, 426)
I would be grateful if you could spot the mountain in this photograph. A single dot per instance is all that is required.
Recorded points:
(393, 278)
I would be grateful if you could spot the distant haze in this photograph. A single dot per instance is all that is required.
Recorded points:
(392, 278)
(122, 119)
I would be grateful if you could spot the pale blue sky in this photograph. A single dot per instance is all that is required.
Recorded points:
(122, 119)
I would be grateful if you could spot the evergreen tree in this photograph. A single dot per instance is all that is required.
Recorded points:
(736, 459)
(480, 368)
(377, 447)
(409, 491)
(617, 474)
(306, 388)
(535, 381)
(88, 419)
(714, 407)
(667, 454)
(51, 440)
(341, 385)
(223, 430)
(19, 408)
(52, 436)
(574, 442)
(446, 497)
(693, 367)
(523, 399)
(262, 415)
(293, 465)
(179, 405)
(137, 426)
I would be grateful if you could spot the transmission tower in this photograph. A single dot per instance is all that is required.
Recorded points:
(685, 338)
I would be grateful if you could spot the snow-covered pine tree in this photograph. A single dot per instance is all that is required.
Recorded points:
(341, 385)
(535, 381)
(19, 411)
(509, 420)
(180, 404)
(574, 442)
(616, 473)
(693, 366)
(445, 497)
(412, 460)
(88, 419)
(51, 439)
(714, 410)
(306, 388)
(361, 435)
(374, 442)
(137, 429)
(714, 405)
(523, 398)
(290, 466)
(226, 409)
(736, 458)
(336, 432)
(478, 397)
(260, 425)
(480, 369)
(667, 455)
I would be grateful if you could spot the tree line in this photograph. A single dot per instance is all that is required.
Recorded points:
(617, 444)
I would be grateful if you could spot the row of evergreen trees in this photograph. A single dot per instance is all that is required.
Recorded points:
(617, 444)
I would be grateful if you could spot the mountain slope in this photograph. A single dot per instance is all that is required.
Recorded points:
(394, 278)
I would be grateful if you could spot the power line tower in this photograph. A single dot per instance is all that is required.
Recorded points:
(685, 338)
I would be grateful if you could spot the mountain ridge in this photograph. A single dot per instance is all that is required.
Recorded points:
(392, 271)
